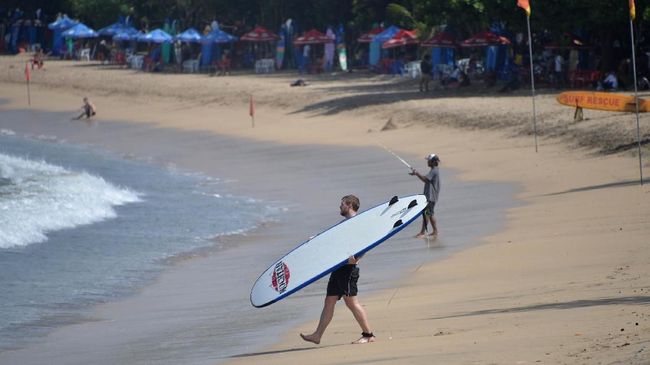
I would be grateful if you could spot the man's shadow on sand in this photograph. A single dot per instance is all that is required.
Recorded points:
(263, 353)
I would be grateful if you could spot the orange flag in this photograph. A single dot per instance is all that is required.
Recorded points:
(27, 76)
(525, 4)
(632, 10)
(251, 107)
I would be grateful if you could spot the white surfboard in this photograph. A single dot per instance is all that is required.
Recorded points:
(330, 249)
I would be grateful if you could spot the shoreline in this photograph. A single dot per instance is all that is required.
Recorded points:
(552, 271)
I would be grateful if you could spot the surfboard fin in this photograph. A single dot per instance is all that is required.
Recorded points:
(397, 224)
(412, 203)
(393, 200)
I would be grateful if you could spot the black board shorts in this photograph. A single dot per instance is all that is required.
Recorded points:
(429, 209)
(343, 281)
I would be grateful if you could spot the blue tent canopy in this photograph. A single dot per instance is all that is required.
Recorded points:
(218, 36)
(128, 34)
(62, 23)
(156, 36)
(79, 31)
(189, 35)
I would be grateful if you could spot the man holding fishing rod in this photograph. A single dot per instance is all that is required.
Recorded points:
(431, 189)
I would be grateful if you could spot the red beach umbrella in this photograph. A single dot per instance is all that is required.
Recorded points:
(442, 39)
(367, 37)
(313, 37)
(485, 39)
(401, 38)
(259, 34)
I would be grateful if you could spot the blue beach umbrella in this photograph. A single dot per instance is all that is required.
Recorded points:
(218, 36)
(79, 31)
(156, 36)
(111, 30)
(114, 29)
(189, 35)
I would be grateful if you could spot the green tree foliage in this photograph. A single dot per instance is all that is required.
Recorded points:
(604, 20)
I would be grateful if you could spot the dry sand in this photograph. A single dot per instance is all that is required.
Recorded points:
(566, 281)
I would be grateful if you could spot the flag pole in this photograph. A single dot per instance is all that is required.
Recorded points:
(251, 110)
(27, 78)
(636, 103)
(532, 79)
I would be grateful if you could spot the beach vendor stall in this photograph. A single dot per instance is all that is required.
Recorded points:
(213, 55)
(59, 26)
(153, 60)
(495, 50)
(81, 31)
(312, 37)
(443, 52)
(366, 39)
(402, 39)
(262, 41)
(376, 55)
(189, 37)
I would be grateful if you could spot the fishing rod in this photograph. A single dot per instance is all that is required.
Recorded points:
(396, 156)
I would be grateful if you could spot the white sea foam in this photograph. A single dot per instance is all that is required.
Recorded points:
(37, 198)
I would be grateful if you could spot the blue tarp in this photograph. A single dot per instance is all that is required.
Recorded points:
(156, 36)
(79, 31)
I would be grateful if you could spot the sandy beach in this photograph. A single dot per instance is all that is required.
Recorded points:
(564, 280)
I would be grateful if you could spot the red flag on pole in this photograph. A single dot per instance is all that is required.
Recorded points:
(632, 10)
(525, 4)
(27, 77)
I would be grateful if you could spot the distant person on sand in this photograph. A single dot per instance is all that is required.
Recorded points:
(343, 284)
(88, 109)
(431, 189)
(425, 76)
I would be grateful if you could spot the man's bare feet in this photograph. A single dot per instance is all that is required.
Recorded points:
(365, 339)
(419, 235)
(310, 338)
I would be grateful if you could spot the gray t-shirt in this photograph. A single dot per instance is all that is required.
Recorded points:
(432, 186)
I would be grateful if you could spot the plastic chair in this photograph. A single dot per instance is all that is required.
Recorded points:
(412, 69)
(84, 54)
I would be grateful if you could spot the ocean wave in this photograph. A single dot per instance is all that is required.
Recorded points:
(37, 198)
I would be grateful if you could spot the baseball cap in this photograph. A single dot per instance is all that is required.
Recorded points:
(432, 157)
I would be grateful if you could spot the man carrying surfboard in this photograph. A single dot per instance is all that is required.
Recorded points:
(343, 284)
(431, 189)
